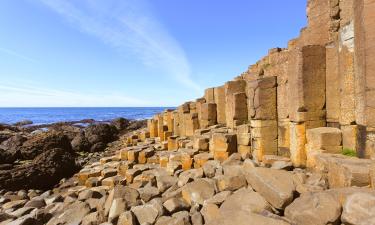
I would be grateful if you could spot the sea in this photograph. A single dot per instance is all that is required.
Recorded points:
(52, 115)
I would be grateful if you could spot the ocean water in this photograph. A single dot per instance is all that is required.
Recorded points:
(52, 115)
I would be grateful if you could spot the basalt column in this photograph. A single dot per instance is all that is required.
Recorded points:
(307, 96)
(262, 113)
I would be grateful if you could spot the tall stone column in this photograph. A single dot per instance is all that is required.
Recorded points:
(307, 97)
(364, 66)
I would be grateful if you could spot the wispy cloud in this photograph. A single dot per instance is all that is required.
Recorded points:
(129, 25)
(18, 55)
(29, 95)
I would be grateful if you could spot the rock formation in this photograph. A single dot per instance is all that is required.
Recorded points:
(265, 148)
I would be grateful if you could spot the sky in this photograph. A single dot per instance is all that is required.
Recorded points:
(121, 53)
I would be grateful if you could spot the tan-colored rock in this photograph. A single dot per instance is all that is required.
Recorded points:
(145, 213)
(348, 171)
(220, 100)
(264, 138)
(350, 137)
(198, 191)
(261, 94)
(176, 204)
(307, 82)
(283, 137)
(297, 144)
(209, 95)
(244, 139)
(208, 115)
(245, 200)
(108, 173)
(126, 218)
(314, 209)
(219, 198)
(191, 123)
(372, 176)
(236, 103)
(172, 143)
(165, 181)
(230, 183)
(223, 143)
(276, 186)
(118, 206)
(123, 155)
(201, 158)
(201, 143)
(145, 154)
(73, 214)
(241, 217)
(324, 137)
(210, 212)
(244, 151)
(359, 208)
(113, 181)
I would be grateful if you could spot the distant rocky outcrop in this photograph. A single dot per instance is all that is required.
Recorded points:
(46, 170)
(39, 159)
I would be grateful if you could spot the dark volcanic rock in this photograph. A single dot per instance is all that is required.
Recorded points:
(120, 123)
(44, 141)
(80, 143)
(5, 136)
(43, 172)
(70, 131)
(137, 124)
(23, 123)
(10, 149)
(99, 135)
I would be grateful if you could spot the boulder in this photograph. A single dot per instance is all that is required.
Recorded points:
(175, 204)
(276, 186)
(209, 212)
(240, 217)
(145, 213)
(73, 214)
(43, 172)
(120, 123)
(359, 209)
(10, 149)
(44, 141)
(127, 218)
(245, 200)
(99, 135)
(198, 191)
(314, 209)
(118, 206)
(80, 143)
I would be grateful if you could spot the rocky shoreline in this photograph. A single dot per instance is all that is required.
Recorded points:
(40, 156)
(145, 180)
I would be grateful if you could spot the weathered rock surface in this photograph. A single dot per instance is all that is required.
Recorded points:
(314, 209)
(276, 186)
(43, 172)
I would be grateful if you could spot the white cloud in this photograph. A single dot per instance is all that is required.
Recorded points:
(129, 25)
(18, 55)
(26, 95)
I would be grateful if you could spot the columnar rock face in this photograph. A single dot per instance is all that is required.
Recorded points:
(237, 154)
(322, 79)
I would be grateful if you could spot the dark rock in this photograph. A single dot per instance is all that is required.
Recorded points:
(23, 123)
(120, 123)
(99, 135)
(42, 142)
(43, 172)
(137, 124)
(5, 136)
(80, 143)
(10, 149)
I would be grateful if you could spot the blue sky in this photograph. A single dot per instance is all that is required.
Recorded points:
(133, 52)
